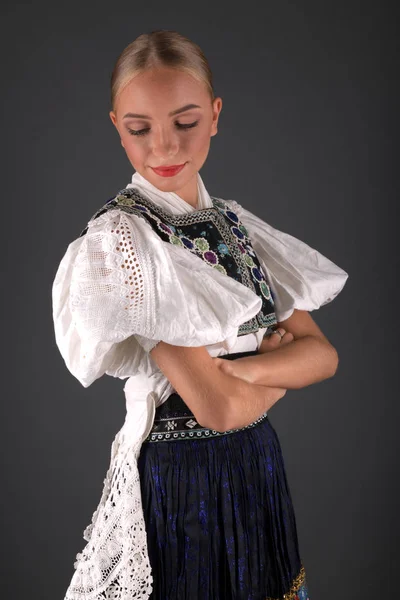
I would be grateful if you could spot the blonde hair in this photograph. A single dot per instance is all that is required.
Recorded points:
(160, 48)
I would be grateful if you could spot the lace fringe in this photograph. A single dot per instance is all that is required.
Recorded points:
(114, 564)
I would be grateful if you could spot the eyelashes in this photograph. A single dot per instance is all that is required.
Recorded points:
(181, 126)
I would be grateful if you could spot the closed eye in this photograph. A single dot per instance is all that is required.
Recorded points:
(182, 126)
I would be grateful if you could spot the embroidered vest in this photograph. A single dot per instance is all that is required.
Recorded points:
(214, 234)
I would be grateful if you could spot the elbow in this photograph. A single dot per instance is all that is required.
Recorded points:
(332, 361)
(220, 425)
(218, 419)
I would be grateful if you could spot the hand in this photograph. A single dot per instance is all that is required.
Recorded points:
(246, 404)
(241, 367)
(273, 341)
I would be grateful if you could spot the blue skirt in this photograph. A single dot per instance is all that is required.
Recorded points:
(218, 511)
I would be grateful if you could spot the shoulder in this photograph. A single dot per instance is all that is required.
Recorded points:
(249, 219)
(228, 203)
(117, 209)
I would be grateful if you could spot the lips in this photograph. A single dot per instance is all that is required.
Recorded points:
(168, 171)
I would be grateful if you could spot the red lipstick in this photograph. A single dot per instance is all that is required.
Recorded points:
(168, 171)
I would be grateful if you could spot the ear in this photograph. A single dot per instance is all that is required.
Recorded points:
(113, 118)
(217, 106)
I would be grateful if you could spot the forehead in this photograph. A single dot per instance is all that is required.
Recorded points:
(158, 91)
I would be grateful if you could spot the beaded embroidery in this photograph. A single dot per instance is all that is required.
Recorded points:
(216, 235)
(187, 428)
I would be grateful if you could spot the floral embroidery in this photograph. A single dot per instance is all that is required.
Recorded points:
(174, 239)
(223, 249)
(214, 234)
(201, 244)
(221, 269)
(125, 201)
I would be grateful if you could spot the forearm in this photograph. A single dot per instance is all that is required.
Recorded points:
(221, 401)
(300, 363)
(234, 403)
(218, 400)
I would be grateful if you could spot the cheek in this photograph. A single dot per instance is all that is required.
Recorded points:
(133, 149)
(197, 143)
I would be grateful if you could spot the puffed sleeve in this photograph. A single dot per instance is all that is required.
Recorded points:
(300, 276)
(120, 289)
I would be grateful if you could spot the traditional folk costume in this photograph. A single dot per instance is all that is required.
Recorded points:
(186, 512)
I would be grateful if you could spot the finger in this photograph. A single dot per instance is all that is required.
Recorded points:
(287, 338)
(276, 337)
(280, 329)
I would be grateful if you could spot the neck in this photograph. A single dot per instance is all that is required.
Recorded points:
(189, 193)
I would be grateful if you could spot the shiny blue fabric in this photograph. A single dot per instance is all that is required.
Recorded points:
(219, 517)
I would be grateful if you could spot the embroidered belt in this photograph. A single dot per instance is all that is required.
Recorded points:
(175, 421)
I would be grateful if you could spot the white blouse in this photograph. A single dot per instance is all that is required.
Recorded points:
(118, 291)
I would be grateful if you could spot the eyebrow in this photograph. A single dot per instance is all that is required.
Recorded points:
(171, 114)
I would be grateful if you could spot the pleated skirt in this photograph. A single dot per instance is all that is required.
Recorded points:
(218, 511)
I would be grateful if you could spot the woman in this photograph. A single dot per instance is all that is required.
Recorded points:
(204, 308)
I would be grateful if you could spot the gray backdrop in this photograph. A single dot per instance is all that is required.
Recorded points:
(304, 141)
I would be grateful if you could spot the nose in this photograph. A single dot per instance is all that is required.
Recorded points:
(165, 144)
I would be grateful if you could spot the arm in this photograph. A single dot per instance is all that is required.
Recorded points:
(307, 359)
(218, 400)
